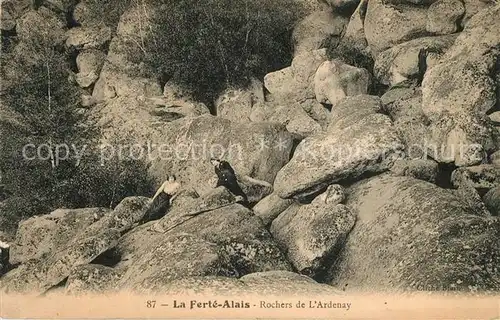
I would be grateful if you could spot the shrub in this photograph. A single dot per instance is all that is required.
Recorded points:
(206, 45)
(37, 91)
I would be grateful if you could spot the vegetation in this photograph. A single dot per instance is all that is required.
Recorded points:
(46, 112)
(206, 45)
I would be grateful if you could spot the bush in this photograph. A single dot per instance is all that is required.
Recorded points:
(37, 91)
(206, 45)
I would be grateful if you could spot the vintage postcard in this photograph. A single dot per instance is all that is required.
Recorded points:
(250, 159)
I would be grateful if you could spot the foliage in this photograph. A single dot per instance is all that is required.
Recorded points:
(206, 45)
(46, 107)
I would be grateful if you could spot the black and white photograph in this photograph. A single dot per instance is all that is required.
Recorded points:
(250, 159)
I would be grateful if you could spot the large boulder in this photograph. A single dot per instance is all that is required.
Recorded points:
(172, 257)
(120, 76)
(236, 104)
(203, 244)
(422, 169)
(270, 207)
(257, 150)
(89, 64)
(313, 234)
(38, 276)
(334, 80)
(411, 235)
(443, 16)
(481, 177)
(275, 283)
(409, 60)
(387, 25)
(288, 113)
(404, 105)
(82, 38)
(92, 278)
(42, 235)
(312, 32)
(459, 90)
(358, 142)
(297, 80)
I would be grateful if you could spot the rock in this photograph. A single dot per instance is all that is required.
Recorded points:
(41, 23)
(412, 235)
(270, 207)
(207, 285)
(388, 25)
(492, 201)
(335, 80)
(173, 257)
(257, 150)
(334, 194)
(287, 113)
(296, 81)
(495, 117)
(92, 278)
(459, 90)
(250, 246)
(471, 198)
(422, 169)
(351, 109)
(285, 283)
(316, 111)
(472, 7)
(312, 234)
(128, 212)
(463, 138)
(88, 37)
(404, 61)
(312, 32)
(44, 235)
(39, 275)
(119, 75)
(275, 283)
(443, 16)
(218, 249)
(10, 11)
(353, 42)
(236, 104)
(89, 63)
(495, 158)
(404, 106)
(254, 189)
(484, 176)
(358, 143)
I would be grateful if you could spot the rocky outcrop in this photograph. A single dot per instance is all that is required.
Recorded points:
(44, 235)
(38, 276)
(257, 150)
(409, 60)
(443, 16)
(297, 80)
(459, 90)
(288, 113)
(312, 234)
(387, 25)
(92, 278)
(422, 169)
(236, 104)
(312, 32)
(358, 142)
(412, 235)
(270, 207)
(335, 80)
